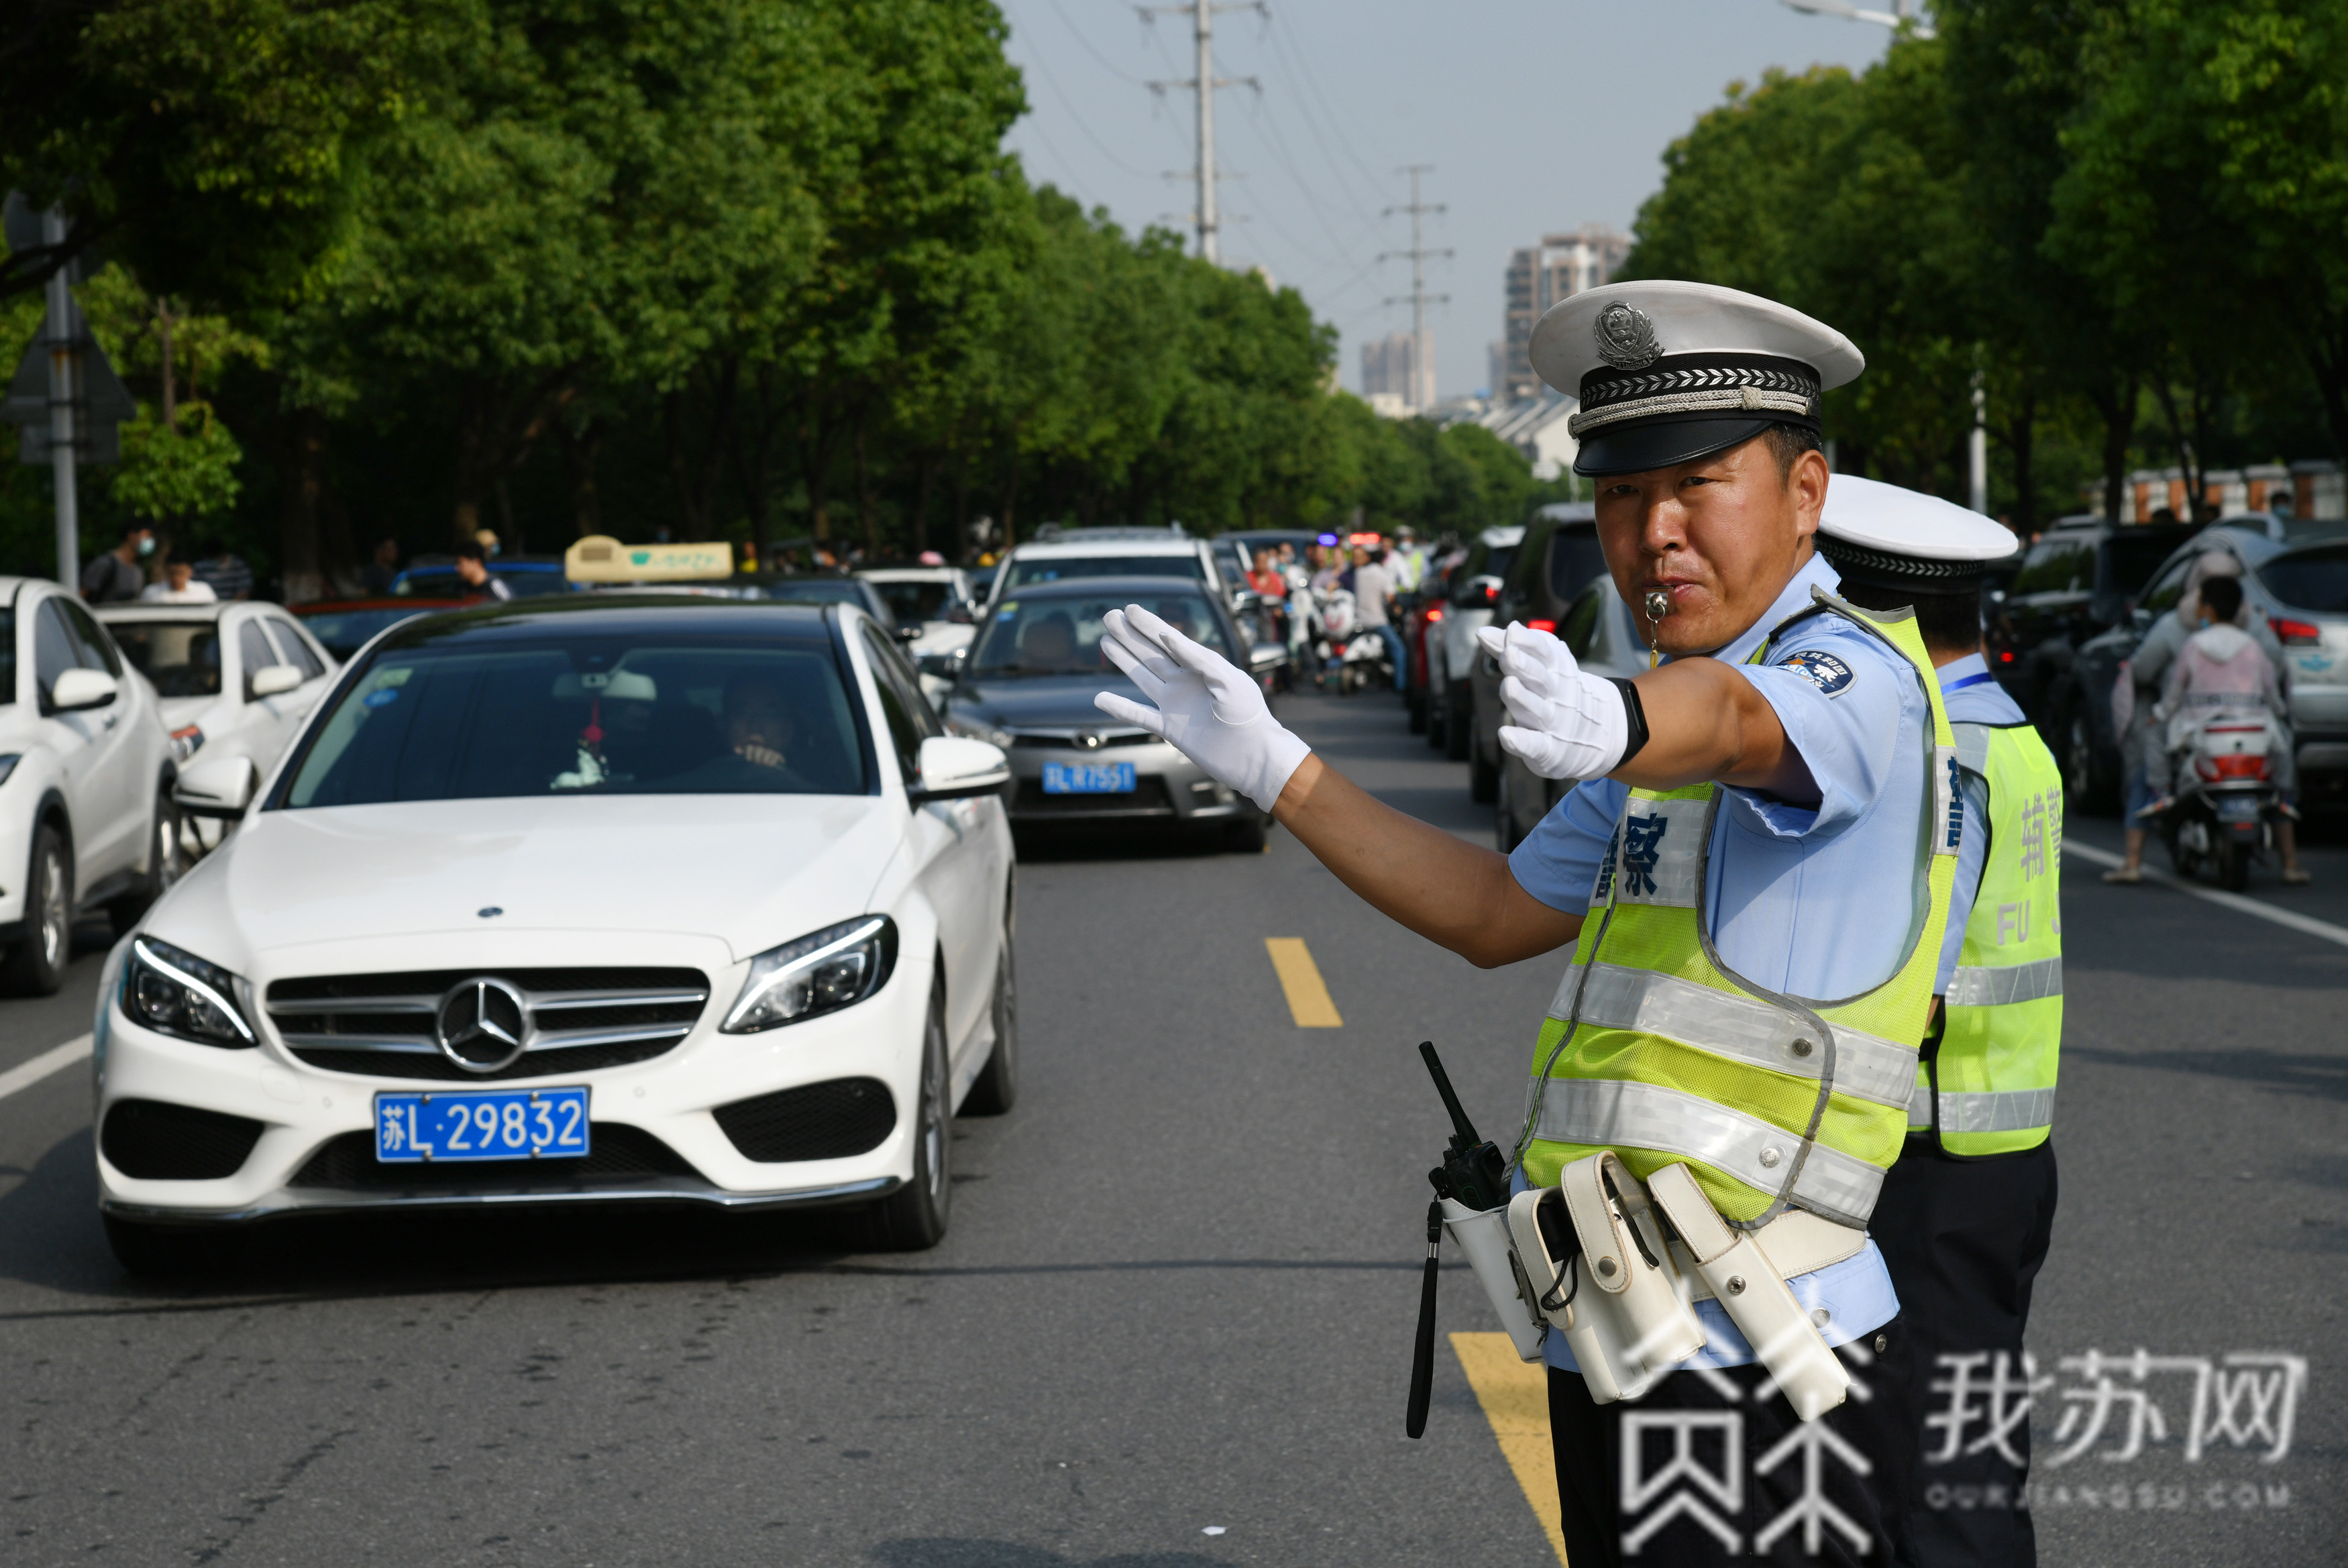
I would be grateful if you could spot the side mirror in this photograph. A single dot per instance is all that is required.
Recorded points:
(221, 788)
(76, 690)
(955, 767)
(1266, 656)
(946, 667)
(273, 679)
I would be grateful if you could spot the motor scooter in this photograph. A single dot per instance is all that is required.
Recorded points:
(1356, 654)
(2223, 807)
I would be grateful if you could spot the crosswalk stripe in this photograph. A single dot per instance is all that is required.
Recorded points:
(26, 1075)
(1300, 977)
(1515, 1397)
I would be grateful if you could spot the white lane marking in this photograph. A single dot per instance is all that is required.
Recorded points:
(2234, 901)
(26, 1074)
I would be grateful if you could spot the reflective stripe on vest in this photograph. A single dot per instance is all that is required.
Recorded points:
(1656, 1049)
(1993, 1076)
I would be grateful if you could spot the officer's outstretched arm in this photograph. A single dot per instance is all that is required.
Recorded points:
(1447, 890)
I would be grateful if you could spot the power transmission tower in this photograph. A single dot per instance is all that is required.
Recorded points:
(1202, 15)
(1422, 367)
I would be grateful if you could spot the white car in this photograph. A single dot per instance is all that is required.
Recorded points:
(235, 680)
(930, 598)
(86, 777)
(681, 901)
(1058, 555)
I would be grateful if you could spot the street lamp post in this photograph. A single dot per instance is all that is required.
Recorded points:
(1902, 13)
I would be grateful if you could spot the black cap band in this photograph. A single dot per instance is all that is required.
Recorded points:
(1860, 564)
(1686, 407)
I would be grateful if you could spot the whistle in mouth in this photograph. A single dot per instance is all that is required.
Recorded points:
(1658, 603)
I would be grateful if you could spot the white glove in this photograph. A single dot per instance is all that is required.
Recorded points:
(1210, 710)
(1565, 723)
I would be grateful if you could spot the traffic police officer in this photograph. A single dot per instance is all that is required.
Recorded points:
(1760, 835)
(1967, 1212)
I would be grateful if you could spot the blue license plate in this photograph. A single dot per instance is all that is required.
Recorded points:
(480, 1124)
(1088, 778)
(2238, 810)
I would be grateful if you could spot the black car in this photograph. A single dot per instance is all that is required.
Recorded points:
(2077, 581)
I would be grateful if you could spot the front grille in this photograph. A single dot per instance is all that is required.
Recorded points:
(616, 1155)
(154, 1141)
(830, 1121)
(381, 1026)
(1146, 795)
(1066, 740)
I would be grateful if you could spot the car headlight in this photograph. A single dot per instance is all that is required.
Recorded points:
(177, 993)
(822, 972)
(961, 724)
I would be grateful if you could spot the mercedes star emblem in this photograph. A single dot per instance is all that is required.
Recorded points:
(482, 1024)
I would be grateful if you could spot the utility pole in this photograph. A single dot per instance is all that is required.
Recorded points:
(1202, 15)
(1422, 367)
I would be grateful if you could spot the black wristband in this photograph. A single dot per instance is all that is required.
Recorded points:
(1634, 715)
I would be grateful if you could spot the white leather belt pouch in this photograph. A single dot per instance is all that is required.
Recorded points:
(1749, 1288)
(1620, 1303)
(1483, 1235)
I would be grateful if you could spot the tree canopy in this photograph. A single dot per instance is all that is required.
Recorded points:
(759, 269)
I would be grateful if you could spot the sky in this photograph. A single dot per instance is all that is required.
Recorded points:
(1537, 115)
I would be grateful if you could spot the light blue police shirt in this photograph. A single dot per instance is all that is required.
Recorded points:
(1972, 696)
(1796, 900)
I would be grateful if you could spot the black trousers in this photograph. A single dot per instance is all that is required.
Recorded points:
(1705, 1471)
(1964, 1240)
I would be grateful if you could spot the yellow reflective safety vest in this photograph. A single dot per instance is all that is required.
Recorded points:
(1989, 1086)
(1656, 1049)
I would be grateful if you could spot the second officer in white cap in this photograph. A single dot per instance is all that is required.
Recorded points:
(1968, 1211)
(1754, 875)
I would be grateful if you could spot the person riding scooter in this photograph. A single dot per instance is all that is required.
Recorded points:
(2221, 668)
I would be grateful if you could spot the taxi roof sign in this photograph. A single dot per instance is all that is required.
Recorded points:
(599, 557)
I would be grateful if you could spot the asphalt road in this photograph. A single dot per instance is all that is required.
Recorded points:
(1178, 1292)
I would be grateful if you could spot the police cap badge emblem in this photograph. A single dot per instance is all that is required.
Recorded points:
(1626, 337)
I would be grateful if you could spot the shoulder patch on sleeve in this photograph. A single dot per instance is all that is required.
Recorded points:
(1821, 669)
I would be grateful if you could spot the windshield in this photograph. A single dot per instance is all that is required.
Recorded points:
(1059, 634)
(910, 601)
(1061, 568)
(2310, 580)
(449, 585)
(814, 590)
(1574, 558)
(2135, 560)
(461, 719)
(346, 631)
(180, 657)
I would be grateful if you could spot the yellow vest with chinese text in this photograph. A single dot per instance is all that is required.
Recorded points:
(1656, 1049)
(1989, 1087)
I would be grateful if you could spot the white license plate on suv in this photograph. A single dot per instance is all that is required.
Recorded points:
(480, 1124)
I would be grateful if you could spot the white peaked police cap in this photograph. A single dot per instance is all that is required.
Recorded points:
(1668, 371)
(1880, 533)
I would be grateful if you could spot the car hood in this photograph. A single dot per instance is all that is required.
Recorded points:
(1041, 702)
(752, 871)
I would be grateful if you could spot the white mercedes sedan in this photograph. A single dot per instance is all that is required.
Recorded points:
(575, 901)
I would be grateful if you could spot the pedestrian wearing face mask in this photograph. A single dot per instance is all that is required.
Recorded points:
(122, 572)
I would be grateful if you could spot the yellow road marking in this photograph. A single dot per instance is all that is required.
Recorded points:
(1300, 977)
(1515, 1397)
